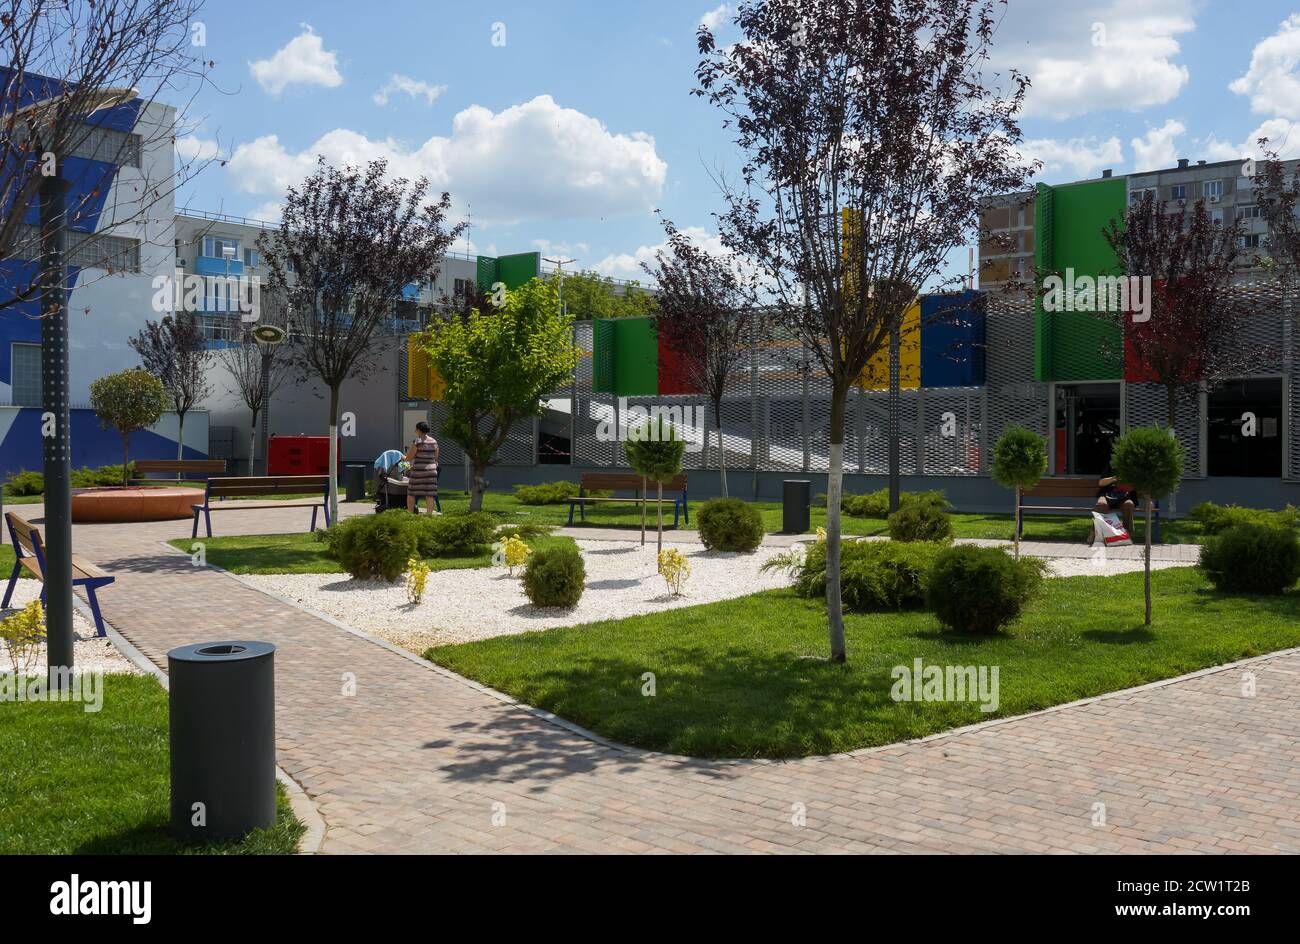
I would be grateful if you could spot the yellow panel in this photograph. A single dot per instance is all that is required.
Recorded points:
(417, 369)
(876, 374)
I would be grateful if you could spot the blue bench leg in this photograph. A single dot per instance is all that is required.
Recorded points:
(94, 608)
(207, 520)
(13, 580)
(570, 513)
(313, 517)
(437, 504)
(194, 531)
(676, 513)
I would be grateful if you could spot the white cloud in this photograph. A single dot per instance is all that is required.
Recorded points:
(556, 250)
(1282, 133)
(626, 265)
(1081, 157)
(408, 86)
(303, 61)
(268, 212)
(192, 148)
(526, 161)
(715, 17)
(1081, 58)
(1157, 148)
(1273, 80)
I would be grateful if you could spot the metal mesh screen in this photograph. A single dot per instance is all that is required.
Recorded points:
(1146, 404)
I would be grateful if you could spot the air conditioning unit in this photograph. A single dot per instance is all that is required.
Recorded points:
(1213, 198)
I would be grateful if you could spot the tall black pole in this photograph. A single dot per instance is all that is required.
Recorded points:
(266, 409)
(54, 427)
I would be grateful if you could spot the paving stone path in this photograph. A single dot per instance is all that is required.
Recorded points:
(419, 760)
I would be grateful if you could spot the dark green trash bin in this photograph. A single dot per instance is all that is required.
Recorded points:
(354, 482)
(796, 499)
(222, 701)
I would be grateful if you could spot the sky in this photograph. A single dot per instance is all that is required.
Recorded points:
(563, 126)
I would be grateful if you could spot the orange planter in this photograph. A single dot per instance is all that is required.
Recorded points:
(134, 503)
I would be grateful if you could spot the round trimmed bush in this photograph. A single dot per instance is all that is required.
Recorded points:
(920, 522)
(454, 535)
(874, 575)
(1252, 558)
(981, 589)
(555, 577)
(729, 524)
(370, 546)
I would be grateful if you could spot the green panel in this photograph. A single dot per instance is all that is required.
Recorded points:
(602, 356)
(518, 269)
(636, 357)
(487, 273)
(1073, 345)
(1044, 230)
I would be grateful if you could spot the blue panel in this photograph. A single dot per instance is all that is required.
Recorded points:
(952, 340)
(207, 265)
(411, 292)
(20, 321)
(92, 445)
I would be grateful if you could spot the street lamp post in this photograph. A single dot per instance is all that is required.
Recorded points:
(268, 338)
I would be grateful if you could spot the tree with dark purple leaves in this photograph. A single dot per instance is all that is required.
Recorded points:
(708, 317)
(870, 134)
(175, 351)
(349, 241)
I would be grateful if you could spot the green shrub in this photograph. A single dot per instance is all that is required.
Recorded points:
(25, 483)
(105, 475)
(546, 493)
(1215, 519)
(876, 504)
(370, 546)
(455, 535)
(1252, 558)
(555, 577)
(920, 522)
(523, 529)
(981, 589)
(729, 524)
(874, 575)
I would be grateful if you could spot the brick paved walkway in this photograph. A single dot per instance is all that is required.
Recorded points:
(422, 761)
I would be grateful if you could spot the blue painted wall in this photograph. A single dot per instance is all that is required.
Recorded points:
(952, 340)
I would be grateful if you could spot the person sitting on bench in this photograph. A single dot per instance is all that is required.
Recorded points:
(1113, 495)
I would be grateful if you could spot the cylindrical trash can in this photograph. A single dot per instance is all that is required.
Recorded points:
(796, 497)
(222, 700)
(354, 483)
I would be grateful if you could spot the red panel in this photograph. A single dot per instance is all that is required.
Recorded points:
(674, 377)
(1136, 369)
(299, 455)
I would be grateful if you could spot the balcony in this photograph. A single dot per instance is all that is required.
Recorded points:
(208, 265)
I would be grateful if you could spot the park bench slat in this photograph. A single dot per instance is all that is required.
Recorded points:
(260, 486)
(27, 537)
(628, 481)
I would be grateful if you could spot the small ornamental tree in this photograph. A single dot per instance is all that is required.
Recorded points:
(498, 366)
(1019, 461)
(128, 401)
(1151, 460)
(175, 351)
(655, 453)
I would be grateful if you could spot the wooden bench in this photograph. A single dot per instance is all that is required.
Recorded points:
(1071, 488)
(259, 486)
(622, 482)
(29, 550)
(185, 468)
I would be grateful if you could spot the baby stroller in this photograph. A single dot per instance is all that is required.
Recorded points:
(390, 481)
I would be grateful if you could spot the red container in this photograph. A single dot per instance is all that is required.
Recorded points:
(299, 455)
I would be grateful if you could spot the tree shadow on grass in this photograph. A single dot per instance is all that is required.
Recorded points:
(1120, 637)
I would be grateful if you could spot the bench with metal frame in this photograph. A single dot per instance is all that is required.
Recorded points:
(627, 481)
(29, 551)
(260, 486)
(185, 468)
(1068, 488)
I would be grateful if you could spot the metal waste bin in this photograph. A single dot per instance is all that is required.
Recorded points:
(222, 700)
(796, 499)
(354, 483)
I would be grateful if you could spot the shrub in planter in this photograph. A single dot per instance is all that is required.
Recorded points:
(729, 524)
(555, 577)
(370, 546)
(1252, 558)
(981, 589)
(920, 522)
(458, 535)
(1215, 519)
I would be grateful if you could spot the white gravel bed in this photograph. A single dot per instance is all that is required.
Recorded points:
(90, 653)
(1088, 567)
(464, 605)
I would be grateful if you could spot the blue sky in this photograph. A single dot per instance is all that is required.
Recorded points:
(576, 123)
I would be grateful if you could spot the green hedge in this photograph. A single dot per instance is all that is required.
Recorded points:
(1252, 558)
(874, 575)
(1215, 519)
(876, 504)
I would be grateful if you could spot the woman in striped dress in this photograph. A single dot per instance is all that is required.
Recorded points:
(423, 479)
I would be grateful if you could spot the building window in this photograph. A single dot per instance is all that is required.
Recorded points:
(110, 147)
(1178, 192)
(251, 258)
(1250, 212)
(111, 253)
(1212, 188)
(213, 247)
(1249, 241)
(1216, 216)
(25, 373)
(1245, 428)
(461, 288)
(1135, 196)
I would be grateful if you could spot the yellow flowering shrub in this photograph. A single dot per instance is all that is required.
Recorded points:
(675, 569)
(514, 552)
(821, 534)
(417, 575)
(23, 634)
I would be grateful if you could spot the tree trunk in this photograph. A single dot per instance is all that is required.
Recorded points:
(334, 455)
(722, 452)
(644, 492)
(1147, 563)
(834, 491)
(1171, 414)
(477, 485)
(252, 446)
(126, 454)
(180, 439)
(659, 518)
(1016, 536)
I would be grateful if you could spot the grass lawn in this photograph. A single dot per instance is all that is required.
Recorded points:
(98, 782)
(302, 554)
(747, 677)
